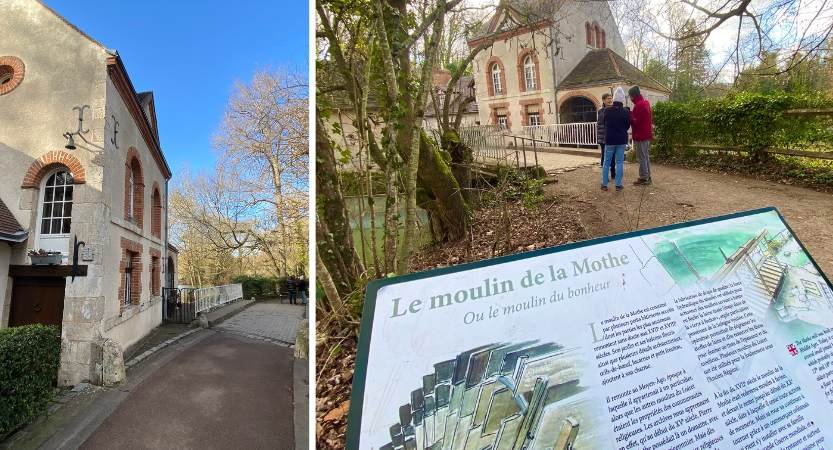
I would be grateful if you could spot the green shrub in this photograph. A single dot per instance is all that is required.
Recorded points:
(29, 360)
(257, 286)
(750, 120)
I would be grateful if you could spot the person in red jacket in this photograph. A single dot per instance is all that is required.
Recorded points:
(642, 129)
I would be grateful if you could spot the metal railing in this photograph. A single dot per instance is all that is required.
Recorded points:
(214, 296)
(557, 134)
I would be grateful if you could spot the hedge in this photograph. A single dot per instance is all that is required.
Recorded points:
(751, 120)
(29, 360)
(258, 286)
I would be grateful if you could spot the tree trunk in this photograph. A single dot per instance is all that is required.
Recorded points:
(334, 237)
(447, 202)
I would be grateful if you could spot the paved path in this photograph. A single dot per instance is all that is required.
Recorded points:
(271, 320)
(226, 390)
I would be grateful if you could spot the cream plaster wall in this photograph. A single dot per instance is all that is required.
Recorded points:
(571, 47)
(64, 69)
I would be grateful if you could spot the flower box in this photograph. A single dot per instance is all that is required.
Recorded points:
(45, 260)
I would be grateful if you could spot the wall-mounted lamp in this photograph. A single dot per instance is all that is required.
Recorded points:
(70, 141)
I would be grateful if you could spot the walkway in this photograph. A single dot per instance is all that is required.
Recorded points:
(227, 387)
(680, 194)
(270, 320)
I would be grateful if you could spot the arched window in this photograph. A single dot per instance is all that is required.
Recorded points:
(529, 73)
(156, 214)
(131, 193)
(598, 32)
(496, 84)
(134, 188)
(56, 209)
(604, 40)
(588, 34)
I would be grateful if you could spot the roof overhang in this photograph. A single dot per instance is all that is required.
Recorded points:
(117, 71)
(508, 34)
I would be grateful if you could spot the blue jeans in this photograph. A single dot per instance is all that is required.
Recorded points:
(617, 153)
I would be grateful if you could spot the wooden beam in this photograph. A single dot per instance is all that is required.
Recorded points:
(28, 271)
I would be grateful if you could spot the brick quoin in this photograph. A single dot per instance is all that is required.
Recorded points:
(133, 163)
(136, 286)
(156, 211)
(155, 271)
(49, 161)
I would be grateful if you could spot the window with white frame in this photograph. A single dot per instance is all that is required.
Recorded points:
(131, 193)
(533, 115)
(496, 84)
(502, 121)
(56, 209)
(529, 73)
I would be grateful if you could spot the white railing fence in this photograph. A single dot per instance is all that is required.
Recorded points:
(487, 141)
(581, 133)
(214, 296)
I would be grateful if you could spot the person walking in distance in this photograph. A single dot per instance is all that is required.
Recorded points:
(607, 101)
(292, 288)
(642, 124)
(616, 123)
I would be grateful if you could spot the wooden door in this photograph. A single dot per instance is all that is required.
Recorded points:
(37, 300)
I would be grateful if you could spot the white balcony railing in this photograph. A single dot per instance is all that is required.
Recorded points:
(557, 134)
(214, 296)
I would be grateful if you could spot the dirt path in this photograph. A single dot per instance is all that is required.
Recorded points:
(682, 194)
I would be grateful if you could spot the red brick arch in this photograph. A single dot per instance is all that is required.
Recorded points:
(584, 94)
(156, 211)
(18, 70)
(522, 76)
(49, 161)
(133, 162)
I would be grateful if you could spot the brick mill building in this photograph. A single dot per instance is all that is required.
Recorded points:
(81, 163)
(550, 62)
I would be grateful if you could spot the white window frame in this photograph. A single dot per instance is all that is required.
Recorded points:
(496, 84)
(503, 122)
(533, 119)
(40, 238)
(529, 73)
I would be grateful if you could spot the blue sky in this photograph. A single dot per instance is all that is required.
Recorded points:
(191, 53)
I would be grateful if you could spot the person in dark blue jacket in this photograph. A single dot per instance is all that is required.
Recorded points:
(616, 122)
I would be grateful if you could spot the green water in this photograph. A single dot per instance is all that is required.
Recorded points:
(701, 245)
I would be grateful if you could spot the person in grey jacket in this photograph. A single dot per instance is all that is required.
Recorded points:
(607, 102)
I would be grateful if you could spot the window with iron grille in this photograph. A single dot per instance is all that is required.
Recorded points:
(128, 279)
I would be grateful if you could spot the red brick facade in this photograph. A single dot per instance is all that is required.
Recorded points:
(47, 162)
(522, 74)
(133, 251)
(491, 86)
(534, 101)
(133, 164)
(156, 212)
(494, 109)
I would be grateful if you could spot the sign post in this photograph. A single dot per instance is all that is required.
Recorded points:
(713, 333)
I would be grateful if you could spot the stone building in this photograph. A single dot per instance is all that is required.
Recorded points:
(550, 62)
(81, 163)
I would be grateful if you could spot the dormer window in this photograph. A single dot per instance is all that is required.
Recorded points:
(595, 35)
(496, 84)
